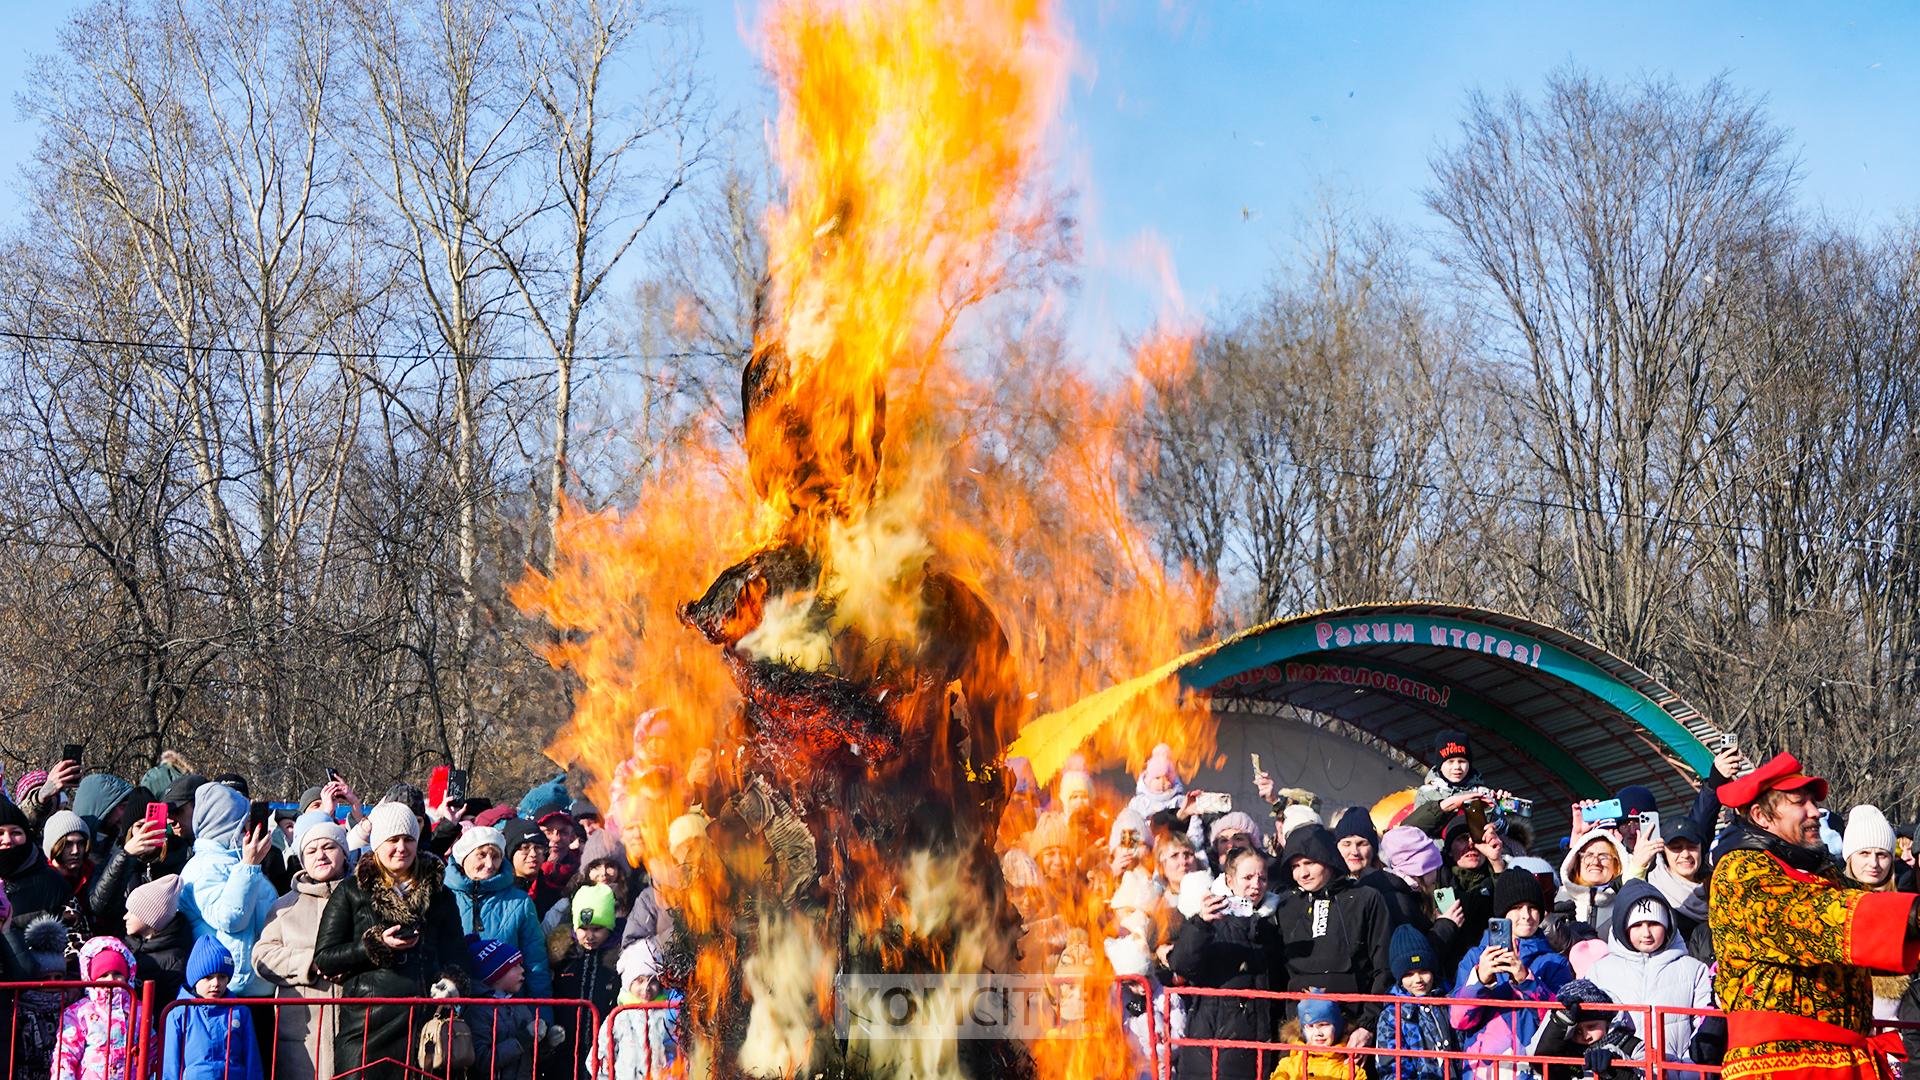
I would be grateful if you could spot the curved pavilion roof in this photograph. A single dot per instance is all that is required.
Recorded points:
(1552, 716)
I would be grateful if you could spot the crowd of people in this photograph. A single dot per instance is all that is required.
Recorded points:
(1478, 937)
(1545, 946)
(260, 913)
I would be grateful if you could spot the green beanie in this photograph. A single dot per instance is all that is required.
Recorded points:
(593, 905)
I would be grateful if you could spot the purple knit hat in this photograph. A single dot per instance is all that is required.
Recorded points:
(1410, 852)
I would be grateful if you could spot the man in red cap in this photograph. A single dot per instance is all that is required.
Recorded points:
(1796, 946)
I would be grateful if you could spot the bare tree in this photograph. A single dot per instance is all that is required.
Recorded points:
(1612, 233)
(612, 167)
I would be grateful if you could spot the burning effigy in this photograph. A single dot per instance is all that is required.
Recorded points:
(802, 659)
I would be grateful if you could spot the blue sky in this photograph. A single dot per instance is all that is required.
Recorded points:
(1217, 127)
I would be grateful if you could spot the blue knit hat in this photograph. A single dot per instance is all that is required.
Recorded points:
(546, 798)
(1410, 950)
(1355, 821)
(209, 957)
(1318, 1011)
(490, 958)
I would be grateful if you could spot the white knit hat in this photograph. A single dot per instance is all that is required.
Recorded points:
(1867, 830)
(62, 824)
(390, 819)
(475, 838)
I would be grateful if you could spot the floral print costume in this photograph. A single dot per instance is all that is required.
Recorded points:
(1796, 951)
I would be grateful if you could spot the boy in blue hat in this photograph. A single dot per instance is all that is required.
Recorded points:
(504, 1032)
(209, 1042)
(1415, 1025)
(1317, 1023)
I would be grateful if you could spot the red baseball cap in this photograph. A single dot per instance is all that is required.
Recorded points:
(1782, 773)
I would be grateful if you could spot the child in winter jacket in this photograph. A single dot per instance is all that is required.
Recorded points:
(1582, 1029)
(1317, 1022)
(158, 936)
(1645, 965)
(36, 1014)
(1415, 1025)
(584, 970)
(209, 1042)
(1496, 977)
(638, 1043)
(96, 1041)
(1452, 773)
(504, 1033)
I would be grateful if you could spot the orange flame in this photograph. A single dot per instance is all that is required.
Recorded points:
(910, 140)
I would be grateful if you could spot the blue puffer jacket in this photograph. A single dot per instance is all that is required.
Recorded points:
(1415, 1025)
(209, 1042)
(219, 894)
(1496, 1029)
(505, 914)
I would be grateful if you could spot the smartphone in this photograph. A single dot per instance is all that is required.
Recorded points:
(456, 786)
(437, 786)
(1729, 741)
(1650, 823)
(157, 815)
(71, 752)
(1476, 820)
(1213, 802)
(1499, 933)
(1239, 905)
(407, 931)
(1516, 806)
(1255, 758)
(333, 775)
(1605, 810)
(1444, 898)
(259, 812)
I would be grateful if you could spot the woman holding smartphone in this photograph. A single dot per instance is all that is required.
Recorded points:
(391, 929)
(1232, 944)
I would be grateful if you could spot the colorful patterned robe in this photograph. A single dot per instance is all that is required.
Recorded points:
(1796, 952)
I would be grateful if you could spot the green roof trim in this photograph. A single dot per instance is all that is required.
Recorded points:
(1323, 635)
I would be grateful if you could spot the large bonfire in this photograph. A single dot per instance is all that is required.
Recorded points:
(828, 639)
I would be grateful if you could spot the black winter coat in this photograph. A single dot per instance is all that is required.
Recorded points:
(348, 950)
(1231, 953)
(1337, 940)
(32, 889)
(162, 958)
(579, 975)
(114, 879)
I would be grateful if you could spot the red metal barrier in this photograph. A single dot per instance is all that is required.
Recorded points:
(39, 1005)
(607, 1058)
(1278, 1048)
(418, 1012)
(1156, 1068)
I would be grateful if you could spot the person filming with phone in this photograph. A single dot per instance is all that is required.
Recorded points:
(223, 889)
(1798, 946)
(1231, 944)
(1513, 962)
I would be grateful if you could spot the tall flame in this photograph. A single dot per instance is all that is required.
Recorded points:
(910, 141)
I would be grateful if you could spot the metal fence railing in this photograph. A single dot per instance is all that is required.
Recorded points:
(301, 1037)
